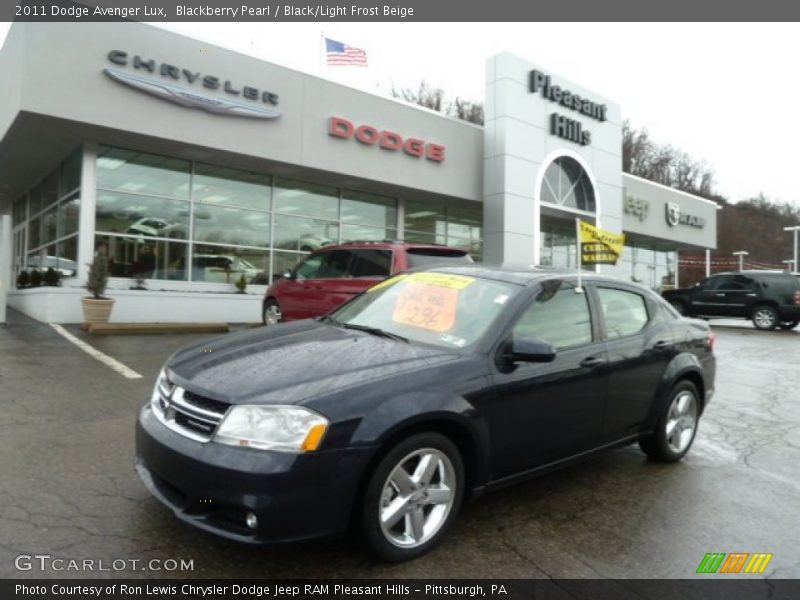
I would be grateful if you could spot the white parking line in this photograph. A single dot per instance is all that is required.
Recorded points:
(103, 358)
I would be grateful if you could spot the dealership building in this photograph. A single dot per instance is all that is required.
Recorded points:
(192, 165)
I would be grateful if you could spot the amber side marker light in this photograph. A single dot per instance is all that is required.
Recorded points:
(314, 437)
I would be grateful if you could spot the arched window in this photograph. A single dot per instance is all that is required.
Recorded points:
(566, 183)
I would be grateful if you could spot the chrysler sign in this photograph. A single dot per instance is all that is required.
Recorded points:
(675, 217)
(259, 104)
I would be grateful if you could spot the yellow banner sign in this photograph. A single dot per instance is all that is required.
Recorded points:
(600, 247)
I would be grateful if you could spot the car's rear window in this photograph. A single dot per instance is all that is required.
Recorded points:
(424, 257)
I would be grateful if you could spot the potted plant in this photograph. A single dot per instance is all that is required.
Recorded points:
(52, 277)
(23, 279)
(97, 308)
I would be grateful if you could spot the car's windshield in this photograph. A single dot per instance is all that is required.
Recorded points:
(447, 310)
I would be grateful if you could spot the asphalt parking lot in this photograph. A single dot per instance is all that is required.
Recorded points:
(68, 489)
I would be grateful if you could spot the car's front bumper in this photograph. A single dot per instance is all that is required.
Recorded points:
(213, 486)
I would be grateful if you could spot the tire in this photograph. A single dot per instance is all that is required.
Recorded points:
(666, 444)
(272, 312)
(765, 317)
(788, 324)
(423, 511)
(679, 306)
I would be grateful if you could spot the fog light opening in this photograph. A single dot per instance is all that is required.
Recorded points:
(251, 520)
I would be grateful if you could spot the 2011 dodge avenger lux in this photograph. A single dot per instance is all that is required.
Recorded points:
(427, 389)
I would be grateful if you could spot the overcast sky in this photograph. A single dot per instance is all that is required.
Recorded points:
(725, 93)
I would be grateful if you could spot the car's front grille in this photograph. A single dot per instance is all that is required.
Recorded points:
(188, 413)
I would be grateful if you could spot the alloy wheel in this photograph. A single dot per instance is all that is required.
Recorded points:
(764, 318)
(272, 314)
(417, 497)
(681, 421)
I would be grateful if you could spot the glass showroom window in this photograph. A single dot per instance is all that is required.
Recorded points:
(232, 220)
(296, 230)
(137, 172)
(368, 217)
(149, 258)
(52, 219)
(464, 227)
(425, 222)
(227, 264)
(457, 225)
(230, 187)
(567, 184)
(143, 213)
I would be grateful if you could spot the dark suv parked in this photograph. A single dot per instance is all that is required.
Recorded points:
(330, 276)
(770, 298)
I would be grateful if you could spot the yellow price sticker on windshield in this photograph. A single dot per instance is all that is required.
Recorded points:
(387, 282)
(427, 306)
(453, 282)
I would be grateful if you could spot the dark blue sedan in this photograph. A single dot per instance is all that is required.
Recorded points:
(427, 389)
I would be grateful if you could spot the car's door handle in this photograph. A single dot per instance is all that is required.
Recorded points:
(752, 294)
(662, 345)
(591, 362)
(719, 294)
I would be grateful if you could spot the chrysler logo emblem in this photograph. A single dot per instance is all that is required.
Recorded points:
(673, 214)
(190, 99)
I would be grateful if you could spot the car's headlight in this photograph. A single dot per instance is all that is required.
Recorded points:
(163, 387)
(284, 428)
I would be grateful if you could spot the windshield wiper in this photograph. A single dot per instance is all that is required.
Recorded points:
(366, 328)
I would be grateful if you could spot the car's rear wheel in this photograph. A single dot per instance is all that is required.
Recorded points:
(765, 318)
(272, 312)
(679, 306)
(788, 324)
(412, 497)
(677, 426)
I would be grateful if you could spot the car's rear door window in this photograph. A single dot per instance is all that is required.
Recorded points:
(335, 265)
(625, 312)
(561, 318)
(372, 263)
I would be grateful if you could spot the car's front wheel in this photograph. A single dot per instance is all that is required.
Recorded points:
(272, 312)
(765, 318)
(677, 426)
(788, 324)
(412, 497)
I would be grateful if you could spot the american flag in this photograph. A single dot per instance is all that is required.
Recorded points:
(342, 54)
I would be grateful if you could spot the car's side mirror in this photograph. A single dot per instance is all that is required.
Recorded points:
(288, 274)
(527, 349)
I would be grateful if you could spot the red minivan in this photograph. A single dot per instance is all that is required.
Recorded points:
(330, 276)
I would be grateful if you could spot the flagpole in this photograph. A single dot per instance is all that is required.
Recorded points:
(579, 289)
(321, 49)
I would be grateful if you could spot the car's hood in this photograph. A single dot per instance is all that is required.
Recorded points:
(296, 361)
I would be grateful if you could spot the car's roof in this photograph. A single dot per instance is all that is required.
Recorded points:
(521, 274)
(752, 272)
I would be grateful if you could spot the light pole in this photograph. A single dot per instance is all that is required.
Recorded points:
(795, 229)
(741, 254)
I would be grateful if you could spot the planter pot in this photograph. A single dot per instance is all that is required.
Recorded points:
(97, 311)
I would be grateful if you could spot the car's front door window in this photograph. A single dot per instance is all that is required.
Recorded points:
(560, 317)
(309, 268)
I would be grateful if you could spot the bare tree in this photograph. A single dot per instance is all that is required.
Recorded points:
(435, 99)
(425, 95)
